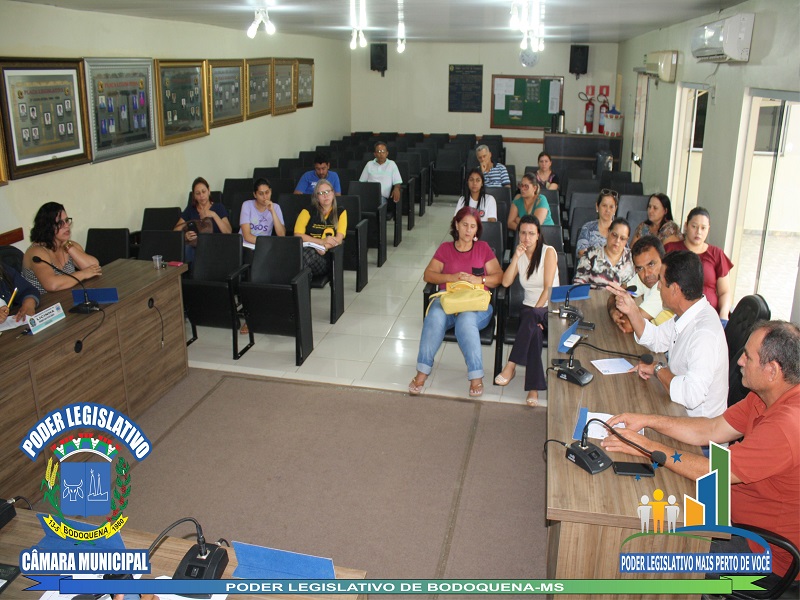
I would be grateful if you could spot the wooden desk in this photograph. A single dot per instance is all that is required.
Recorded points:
(589, 516)
(122, 364)
(24, 531)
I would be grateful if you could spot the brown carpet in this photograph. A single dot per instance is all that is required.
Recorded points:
(401, 487)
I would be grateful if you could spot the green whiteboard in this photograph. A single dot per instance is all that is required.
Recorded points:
(528, 104)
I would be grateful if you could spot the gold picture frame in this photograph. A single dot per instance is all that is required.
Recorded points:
(44, 115)
(305, 82)
(259, 87)
(284, 89)
(184, 114)
(225, 97)
(3, 167)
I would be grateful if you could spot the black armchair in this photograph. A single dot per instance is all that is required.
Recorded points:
(750, 309)
(209, 296)
(355, 244)
(277, 299)
(375, 212)
(781, 589)
(154, 219)
(407, 192)
(448, 175)
(107, 245)
(169, 244)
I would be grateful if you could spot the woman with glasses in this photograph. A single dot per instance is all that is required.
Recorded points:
(594, 233)
(324, 226)
(475, 190)
(716, 265)
(529, 202)
(659, 221)
(51, 238)
(536, 265)
(601, 265)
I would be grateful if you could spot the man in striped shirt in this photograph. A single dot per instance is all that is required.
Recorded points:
(494, 174)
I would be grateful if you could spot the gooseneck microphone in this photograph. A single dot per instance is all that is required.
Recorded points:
(656, 456)
(571, 370)
(645, 358)
(571, 312)
(85, 307)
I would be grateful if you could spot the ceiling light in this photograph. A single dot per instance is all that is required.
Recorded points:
(524, 43)
(269, 26)
(253, 29)
(354, 40)
(362, 40)
(401, 46)
(514, 17)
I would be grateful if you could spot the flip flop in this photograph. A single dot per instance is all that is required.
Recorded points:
(476, 391)
(414, 388)
(532, 401)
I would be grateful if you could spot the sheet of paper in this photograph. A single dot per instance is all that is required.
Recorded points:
(248, 245)
(313, 245)
(12, 323)
(503, 86)
(555, 97)
(499, 102)
(596, 430)
(612, 366)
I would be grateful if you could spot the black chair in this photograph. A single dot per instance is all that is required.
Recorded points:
(169, 244)
(12, 256)
(635, 218)
(583, 200)
(414, 161)
(553, 236)
(613, 179)
(209, 296)
(786, 587)
(581, 185)
(287, 165)
(356, 242)
(345, 177)
(107, 245)
(374, 211)
(633, 188)
(306, 158)
(628, 203)
(407, 192)
(268, 173)
(748, 311)
(277, 299)
(154, 219)
(426, 179)
(448, 176)
(282, 185)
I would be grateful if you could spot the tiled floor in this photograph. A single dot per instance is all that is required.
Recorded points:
(374, 344)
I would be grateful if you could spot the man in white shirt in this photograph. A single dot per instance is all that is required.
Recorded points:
(385, 172)
(647, 253)
(697, 375)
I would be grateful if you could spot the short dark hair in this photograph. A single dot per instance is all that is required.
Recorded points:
(44, 224)
(620, 221)
(666, 205)
(698, 211)
(320, 158)
(379, 143)
(781, 344)
(259, 182)
(644, 243)
(684, 268)
(459, 216)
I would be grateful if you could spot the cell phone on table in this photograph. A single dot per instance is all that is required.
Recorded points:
(633, 469)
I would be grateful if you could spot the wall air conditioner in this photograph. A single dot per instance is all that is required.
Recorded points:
(727, 40)
(662, 64)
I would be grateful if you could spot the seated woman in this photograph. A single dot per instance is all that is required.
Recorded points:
(202, 214)
(475, 188)
(611, 262)
(325, 226)
(529, 202)
(716, 265)
(51, 242)
(659, 221)
(466, 258)
(536, 264)
(26, 297)
(594, 233)
(545, 177)
(261, 216)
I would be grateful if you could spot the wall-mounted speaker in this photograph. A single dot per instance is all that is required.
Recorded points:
(578, 59)
(378, 56)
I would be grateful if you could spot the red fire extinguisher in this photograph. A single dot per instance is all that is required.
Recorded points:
(588, 115)
(601, 122)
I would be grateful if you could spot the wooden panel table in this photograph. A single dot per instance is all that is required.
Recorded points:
(24, 531)
(123, 363)
(589, 516)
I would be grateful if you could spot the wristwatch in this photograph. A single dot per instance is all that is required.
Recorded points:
(659, 366)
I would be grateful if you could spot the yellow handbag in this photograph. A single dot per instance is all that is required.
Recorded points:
(461, 296)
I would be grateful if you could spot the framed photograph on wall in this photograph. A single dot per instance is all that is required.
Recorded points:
(305, 82)
(121, 106)
(284, 92)
(225, 92)
(44, 115)
(259, 87)
(181, 90)
(3, 167)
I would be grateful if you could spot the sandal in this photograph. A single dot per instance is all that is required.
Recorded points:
(244, 330)
(476, 390)
(502, 381)
(531, 401)
(414, 388)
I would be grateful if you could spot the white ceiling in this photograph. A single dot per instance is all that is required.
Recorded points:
(573, 21)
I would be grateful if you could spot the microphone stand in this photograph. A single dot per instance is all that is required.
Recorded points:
(570, 369)
(571, 312)
(84, 308)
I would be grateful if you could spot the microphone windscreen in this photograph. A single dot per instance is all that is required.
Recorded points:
(647, 359)
(659, 457)
(631, 288)
(36, 259)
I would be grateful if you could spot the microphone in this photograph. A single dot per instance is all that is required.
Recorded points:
(570, 312)
(645, 358)
(586, 455)
(655, 456)
(201, 561)
(85, 307)
(632, 289)
(571, 370)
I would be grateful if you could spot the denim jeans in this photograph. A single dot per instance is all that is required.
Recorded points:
(467, 325)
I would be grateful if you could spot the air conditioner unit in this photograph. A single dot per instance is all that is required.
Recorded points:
(662, 64)
(724, 41)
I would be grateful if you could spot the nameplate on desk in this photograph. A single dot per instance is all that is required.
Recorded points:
(44, 318)
(99, 295)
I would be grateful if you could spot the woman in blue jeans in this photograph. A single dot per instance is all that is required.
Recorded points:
(466, 258)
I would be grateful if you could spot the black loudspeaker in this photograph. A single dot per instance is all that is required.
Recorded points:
(578, 59)
(378, 55)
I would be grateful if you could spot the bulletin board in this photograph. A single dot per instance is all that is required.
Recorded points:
(525, 102)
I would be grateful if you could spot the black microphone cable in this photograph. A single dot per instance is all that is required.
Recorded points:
(656, 456)
(645, 358)
(152, 304)
(79, 343)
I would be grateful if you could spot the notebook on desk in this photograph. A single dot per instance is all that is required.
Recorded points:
(99, 295)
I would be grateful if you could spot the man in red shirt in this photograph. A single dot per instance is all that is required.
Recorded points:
(765, 465)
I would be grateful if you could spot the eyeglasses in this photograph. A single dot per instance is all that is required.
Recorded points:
(619, 236)
(649, 266)
(606, 192)
(325, 193)
(61, 223)
(381, 152)
(527, 186)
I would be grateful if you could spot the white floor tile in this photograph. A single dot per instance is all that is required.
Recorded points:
(406, 328)
(355, 323)
(397, 352)
(378, 305)
(316, 367)
(352, 347)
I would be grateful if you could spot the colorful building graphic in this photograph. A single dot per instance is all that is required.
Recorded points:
(713, 503)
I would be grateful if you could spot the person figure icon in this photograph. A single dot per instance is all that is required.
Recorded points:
(672, 510)
(644, 510)
(658, 511)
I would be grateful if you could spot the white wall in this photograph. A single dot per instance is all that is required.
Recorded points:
(774, 56)
(113, 193)
(413, 95)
